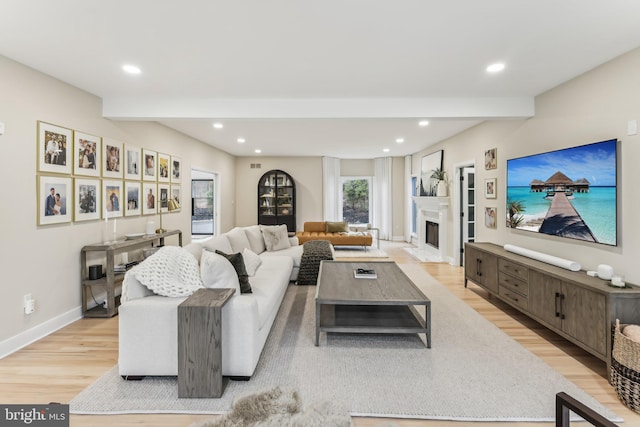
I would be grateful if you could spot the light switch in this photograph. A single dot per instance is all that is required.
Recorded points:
(1, 128)
(632, 127)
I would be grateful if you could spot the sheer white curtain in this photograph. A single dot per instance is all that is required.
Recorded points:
(382, 200)
(408, 206)
(331, 188)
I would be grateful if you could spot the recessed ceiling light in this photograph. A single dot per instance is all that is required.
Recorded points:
(257, 151)
(131, 69)
(423, 123)
(386, 150)
(218, 125)
(400, 140)
(495, 68)
(241, 140)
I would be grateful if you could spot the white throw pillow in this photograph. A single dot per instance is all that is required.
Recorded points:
(275, 237)
(238, 240)
(251, 261)
(254, 234)
(220, 243)
(195, 249)
(217, 272)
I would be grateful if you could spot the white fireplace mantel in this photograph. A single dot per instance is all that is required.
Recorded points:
(432, 209)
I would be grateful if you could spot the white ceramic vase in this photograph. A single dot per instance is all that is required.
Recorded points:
(442, 189)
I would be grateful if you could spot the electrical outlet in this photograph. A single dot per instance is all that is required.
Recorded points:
(29, 304)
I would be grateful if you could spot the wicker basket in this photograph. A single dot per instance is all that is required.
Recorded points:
(625, 369)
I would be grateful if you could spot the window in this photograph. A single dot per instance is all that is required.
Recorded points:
(356, 200)
(202, 221)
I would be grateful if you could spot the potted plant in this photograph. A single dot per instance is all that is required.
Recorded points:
(439, 175)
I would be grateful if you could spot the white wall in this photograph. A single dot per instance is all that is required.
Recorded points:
(44, 260)
(590, 108)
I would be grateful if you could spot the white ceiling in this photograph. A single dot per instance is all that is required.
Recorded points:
(301, 77)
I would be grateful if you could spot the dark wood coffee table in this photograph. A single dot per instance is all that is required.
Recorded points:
(385, 305)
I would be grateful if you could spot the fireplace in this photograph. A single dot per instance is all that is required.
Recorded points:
(432, 228)
(432, 234)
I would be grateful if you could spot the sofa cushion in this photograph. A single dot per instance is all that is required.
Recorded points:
(217, 272)
(294, 252)
(254, 234)
(337, 227)
(276, 237)
(269, 285)
(218, 243)
(195, 249)
(238, 263)
(238, 239)
(251, 261)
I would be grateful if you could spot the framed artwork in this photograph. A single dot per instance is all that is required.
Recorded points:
(87, 200)
(86, 154)
(490, 188)
(132, 163)
(490, 160)
(163, 197)
(133, 192)
(55, 195)
(431, 162)
(176, 169)
(112, 159)
(490, 215)
(163, 168)
(149, 171)
(54, 145)
(148, 198)
(177, 196)
(112, 196)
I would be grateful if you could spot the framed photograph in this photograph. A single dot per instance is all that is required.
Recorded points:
(490, 160)
(431, 162)
(55, 195)
(176, 169)
(177, 196)
(490, 215)
(490, 188)
(133, 191)
(163, 168)
(87, 200)
(112, 160)
(86, 154)
(163, 197)
(150, 159)
(132, 163)
(54, 143)
(112, 194)
(149, 196)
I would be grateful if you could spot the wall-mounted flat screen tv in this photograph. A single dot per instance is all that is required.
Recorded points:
(569, 193)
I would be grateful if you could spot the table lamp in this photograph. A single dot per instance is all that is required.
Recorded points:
(172, 205)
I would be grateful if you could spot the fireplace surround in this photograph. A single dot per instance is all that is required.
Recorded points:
(432, 211)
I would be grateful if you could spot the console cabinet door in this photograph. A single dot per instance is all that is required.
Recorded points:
(585, 316)
(545, 298)
(481, 268)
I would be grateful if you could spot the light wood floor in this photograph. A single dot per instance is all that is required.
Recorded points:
(58, 367)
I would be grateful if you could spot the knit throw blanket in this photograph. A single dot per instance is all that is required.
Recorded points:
(171, 272)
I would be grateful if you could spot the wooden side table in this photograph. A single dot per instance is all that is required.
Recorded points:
(200, 343)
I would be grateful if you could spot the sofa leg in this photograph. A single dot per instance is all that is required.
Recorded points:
(133, 377)
(239, 378)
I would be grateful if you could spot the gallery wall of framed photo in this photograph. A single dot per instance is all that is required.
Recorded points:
(84, 177)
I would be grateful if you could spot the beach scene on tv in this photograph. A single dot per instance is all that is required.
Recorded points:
(568, 193)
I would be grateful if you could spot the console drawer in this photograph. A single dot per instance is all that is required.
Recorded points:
(513, 269)
(514, 283)
(513, 297)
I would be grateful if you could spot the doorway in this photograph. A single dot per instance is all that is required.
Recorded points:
(203, 203)
(464, 200)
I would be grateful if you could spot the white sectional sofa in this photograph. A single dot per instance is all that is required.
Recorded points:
(148, 322)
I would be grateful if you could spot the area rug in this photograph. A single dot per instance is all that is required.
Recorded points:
(359, 252)
(473, 371)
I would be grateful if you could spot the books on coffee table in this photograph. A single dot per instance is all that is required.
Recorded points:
(364, 273)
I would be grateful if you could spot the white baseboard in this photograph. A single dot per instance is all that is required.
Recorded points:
(15, 343)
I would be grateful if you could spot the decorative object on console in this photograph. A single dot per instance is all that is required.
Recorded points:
(549, 259)
(605, 271)
(172, 205)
